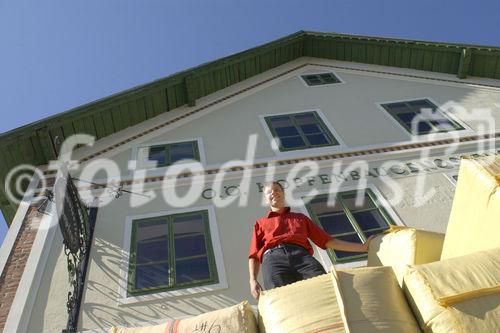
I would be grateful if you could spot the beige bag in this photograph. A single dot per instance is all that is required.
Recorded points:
(237, 318)
(305, 306)
(474, 223)
(372, 301)
(460, 294)
(403, 246)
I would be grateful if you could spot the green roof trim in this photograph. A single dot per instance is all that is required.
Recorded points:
(39, 142)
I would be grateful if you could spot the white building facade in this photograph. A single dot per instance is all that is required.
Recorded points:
(329, 130)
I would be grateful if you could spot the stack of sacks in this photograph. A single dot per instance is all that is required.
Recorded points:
(474, 223)
(355, 301)
(372, 301)
(400, 247)
(305, 306)
(237, 318)
(460, 294)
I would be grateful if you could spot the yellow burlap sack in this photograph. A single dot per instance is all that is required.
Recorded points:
(237, 318)
(460, 294)
(474, 223)
(305, 306)
(405, 246)
(372, 301)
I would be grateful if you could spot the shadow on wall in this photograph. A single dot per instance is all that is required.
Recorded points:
(104, 316)
(107, 258)
(53, 288)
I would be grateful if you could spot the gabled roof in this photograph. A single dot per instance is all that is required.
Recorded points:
(39, 142)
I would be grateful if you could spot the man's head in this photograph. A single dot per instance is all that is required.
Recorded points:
(275, 195)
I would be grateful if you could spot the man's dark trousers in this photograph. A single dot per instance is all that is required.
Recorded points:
(288, 263)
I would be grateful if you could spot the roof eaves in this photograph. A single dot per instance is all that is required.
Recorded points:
(401, 40)
(174, 78)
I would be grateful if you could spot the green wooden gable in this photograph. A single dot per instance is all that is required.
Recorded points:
(36, 143)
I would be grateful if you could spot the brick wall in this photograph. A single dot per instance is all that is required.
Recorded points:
(14, 268)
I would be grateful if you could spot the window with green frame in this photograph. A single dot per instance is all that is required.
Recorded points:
(435, 122)
(320, 79)
(168, 154)
(349, 222)
(300, 131)
(171, 252)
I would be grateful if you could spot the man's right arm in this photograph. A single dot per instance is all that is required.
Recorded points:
(253, 261)
(253, 269)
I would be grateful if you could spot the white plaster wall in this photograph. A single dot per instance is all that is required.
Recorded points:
(431, 215)
(49, 311)
(350, 108)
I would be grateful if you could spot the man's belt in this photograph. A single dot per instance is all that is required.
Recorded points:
(282, 246)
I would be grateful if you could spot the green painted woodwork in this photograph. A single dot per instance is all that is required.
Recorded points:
(320, 79)
(429, 122)
(172, 284)
(190, 90)
(319, 122)
(8, 210)
(166, 149)
(348, 212)
(34, 142)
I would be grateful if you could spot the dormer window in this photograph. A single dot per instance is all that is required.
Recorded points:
(320, 79)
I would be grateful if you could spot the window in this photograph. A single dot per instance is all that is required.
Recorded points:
(435, 122)
(452, 177)
(320, 79)
(349, 222)
(168, 154)
(171, 252)
(300, 131)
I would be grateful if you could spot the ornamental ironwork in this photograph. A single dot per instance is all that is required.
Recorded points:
(77, 221)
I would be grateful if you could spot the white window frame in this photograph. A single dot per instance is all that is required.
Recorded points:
(450, 175)
(216, 246)
(432, 136)
(141, 164)
(317, 72)
(325, 258)
(300, 152)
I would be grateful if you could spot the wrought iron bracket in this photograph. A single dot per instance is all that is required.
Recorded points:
(77, 222)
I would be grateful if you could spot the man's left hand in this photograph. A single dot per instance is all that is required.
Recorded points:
(366, 245)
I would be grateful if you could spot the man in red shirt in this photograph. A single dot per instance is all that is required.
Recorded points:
(280, 243)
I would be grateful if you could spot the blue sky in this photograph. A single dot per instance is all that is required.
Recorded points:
(56, 55)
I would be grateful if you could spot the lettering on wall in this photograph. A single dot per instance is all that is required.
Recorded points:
(397, 170)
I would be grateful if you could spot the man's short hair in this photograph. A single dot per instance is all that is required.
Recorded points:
(271, 183)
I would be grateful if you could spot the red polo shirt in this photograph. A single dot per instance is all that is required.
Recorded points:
(287, 227)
